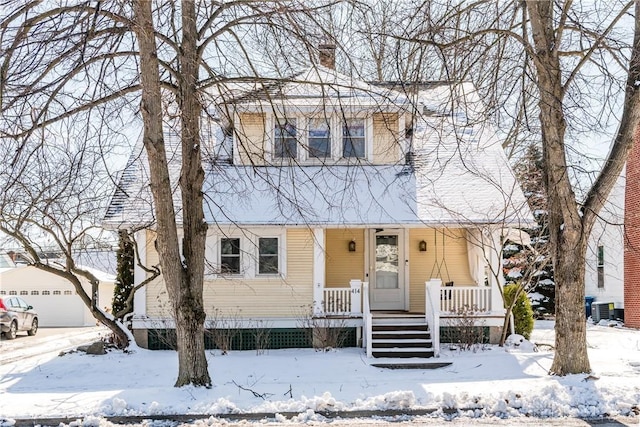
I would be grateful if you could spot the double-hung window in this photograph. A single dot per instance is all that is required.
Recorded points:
(600, 266)
(268, 255)
(230, 256)
(353, 138)
(285, 144)
(319, 138)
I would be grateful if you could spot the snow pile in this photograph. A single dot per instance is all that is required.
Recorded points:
(492, 382)
(516, 342)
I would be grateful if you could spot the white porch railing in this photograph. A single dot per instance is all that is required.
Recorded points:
(367, 320)
(455, 298)
(432, 312)
(336, 300)
(344, 301)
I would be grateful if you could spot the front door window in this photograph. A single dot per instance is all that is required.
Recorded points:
(387, 262)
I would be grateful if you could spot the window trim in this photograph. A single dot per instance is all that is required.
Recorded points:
(259, 255)
(279, 122)
(307, 138)
(600, 266)
(365, 138)
(249, 253)
(221, 272)
(336, 122)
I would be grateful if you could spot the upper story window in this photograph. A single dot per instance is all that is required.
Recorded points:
(285, 142)
(268, 255)
(319, 138)
(230, 255)
(353, 138)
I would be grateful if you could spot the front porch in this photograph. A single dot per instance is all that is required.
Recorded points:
(444, 306)
(386, 270)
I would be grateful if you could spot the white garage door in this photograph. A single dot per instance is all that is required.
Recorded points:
(57, 310)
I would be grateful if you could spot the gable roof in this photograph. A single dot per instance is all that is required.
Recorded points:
(460, 174)
(316, 87)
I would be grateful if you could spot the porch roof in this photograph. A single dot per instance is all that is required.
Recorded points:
(362, 195)
(305, 195)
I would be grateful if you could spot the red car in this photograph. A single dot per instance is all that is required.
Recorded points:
(16, 315)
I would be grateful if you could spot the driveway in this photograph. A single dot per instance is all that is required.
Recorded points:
(47, 341)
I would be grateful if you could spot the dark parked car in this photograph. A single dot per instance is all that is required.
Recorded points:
(16, 315)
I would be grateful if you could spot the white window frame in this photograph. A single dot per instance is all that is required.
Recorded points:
(336, 121)
(330, 119)
(220, 255)
(249, 253)
(278, 254)
(276, 121)
(368, 145)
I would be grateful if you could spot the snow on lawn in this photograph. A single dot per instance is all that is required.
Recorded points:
(495, 381)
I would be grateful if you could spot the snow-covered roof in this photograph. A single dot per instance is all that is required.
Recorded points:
(355, 196)
(316, 89)
(460, 174)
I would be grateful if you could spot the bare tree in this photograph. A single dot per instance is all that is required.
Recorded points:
(51, 200)
(571, 222)
(98, 62)
(564, 45)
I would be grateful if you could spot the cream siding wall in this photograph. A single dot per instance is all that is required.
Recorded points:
(386, 148)
(341, 266)
(273, 297)
(424, 265)
(156, 293)
(251, 137)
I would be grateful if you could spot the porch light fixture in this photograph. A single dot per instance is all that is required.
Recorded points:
(352, 246)
(422, 246)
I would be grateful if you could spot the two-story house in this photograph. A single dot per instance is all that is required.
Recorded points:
(377, 207)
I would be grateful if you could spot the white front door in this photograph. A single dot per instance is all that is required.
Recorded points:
(387, 270)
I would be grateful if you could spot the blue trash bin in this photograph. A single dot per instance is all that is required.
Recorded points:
(587, 305)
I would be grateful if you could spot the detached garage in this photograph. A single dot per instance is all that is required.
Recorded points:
(53, 297)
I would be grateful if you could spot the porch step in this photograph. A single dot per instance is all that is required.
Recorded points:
(400, 327)
(400, 336)
(404, 344)
(403, 353)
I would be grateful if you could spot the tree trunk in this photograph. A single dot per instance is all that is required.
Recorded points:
(571, 327)
(183, 281)
(567, 236)
(188, 305)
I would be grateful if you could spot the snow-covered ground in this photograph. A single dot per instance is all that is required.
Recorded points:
(503, 382)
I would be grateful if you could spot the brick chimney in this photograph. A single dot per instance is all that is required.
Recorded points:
(632, 237)
(327, 55)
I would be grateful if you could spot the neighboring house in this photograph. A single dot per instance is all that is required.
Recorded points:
(613, 259)
(53, 297)
(6, 263)
(331, 199)
(632, 238)
(604, 273)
